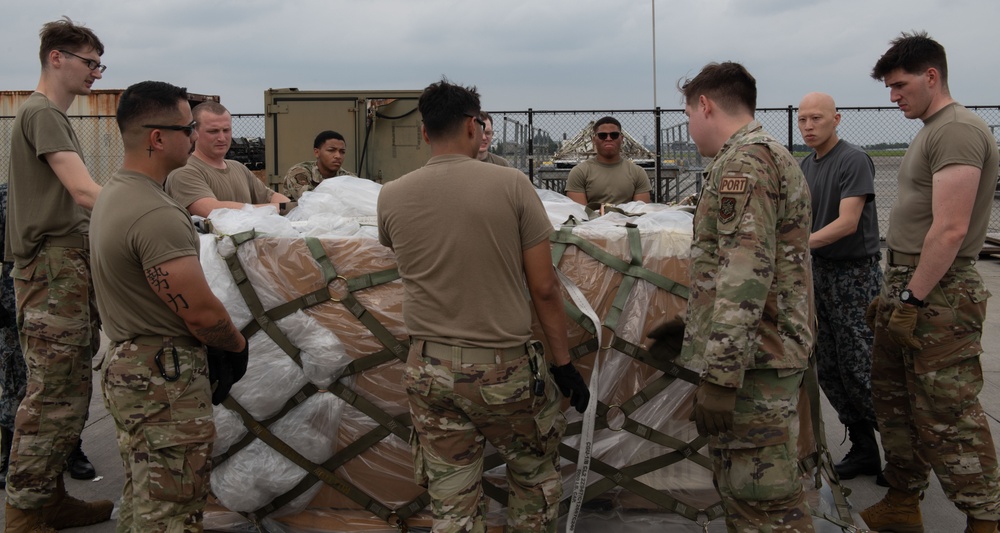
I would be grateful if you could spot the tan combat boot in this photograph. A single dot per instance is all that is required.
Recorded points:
(67, 511)
(25, 521)
(898, 512)
(975, 525)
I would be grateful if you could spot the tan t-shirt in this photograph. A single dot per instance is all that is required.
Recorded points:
(495, 159)
(459, 229)
(198, 179)
(136, 226)
(952, 136)
(616, 183)
(39, 206)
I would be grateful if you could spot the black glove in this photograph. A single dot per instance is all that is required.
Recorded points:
(225, 369)
(571, 385)
(667, 341)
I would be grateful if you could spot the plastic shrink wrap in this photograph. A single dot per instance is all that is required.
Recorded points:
(324, 383)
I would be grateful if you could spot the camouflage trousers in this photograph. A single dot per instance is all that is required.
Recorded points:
(59, 334)
(927, 400)
(165, 430)
(13, 374)
(844, 341)
(456, 411)
(756, 464)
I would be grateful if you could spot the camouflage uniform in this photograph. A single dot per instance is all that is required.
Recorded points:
(844, 340)
(750, 323)
(928, 400)
(59, 333)
(456, 411)
(165, 433)
(304, 177)
(13, 374)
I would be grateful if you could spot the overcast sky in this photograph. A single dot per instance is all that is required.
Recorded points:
(542, 54)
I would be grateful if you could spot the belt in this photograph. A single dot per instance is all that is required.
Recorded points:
(895, 258)
(480, 356)
(157, 340)
(74, 240)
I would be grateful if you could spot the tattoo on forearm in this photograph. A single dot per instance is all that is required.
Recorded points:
(178, 301)
(157, 278)
(220, 335)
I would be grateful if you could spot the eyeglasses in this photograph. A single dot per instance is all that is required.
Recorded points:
(91, 64)
(478, 120)
(186, 129)
(603, 135)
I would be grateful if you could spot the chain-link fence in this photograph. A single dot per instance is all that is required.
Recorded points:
(537, 141)
(102, 143)
(532, 141)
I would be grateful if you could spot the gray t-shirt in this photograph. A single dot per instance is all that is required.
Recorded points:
(846, 171)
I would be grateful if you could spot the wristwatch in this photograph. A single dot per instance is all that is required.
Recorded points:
(907, 297)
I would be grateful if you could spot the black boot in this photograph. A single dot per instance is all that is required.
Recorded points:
(78, 465)
(863, 459)
(6, 440)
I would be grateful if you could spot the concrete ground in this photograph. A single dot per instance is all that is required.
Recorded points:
(939, 514)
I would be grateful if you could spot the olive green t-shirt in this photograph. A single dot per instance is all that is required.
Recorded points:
(952, 136)
(39, 206)
(136, 226)
(459, 229)
(198, 179)
(615, 183)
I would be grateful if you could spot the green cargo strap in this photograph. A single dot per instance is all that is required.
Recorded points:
(351, 303)
(288, 308)
(373, 279)
(296, 400)
(566, 236)
(626, 479)
(642, 355)
(373, 411)
(370, 361)
(338, 460)
(261, 319)
(319, 254)
(323, 474)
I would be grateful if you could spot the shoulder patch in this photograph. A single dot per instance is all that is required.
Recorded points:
(727, 209)
(733, 185)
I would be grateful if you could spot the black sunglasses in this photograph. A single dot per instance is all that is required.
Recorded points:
(603, 135)
(478, 120)
(186, 129)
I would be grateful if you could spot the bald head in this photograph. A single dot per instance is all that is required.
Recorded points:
(818, 121)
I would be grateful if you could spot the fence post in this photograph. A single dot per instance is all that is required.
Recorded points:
(657, 197)
(531, 146)
(791, 122)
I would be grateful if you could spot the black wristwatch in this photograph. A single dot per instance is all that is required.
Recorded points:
(907, 297)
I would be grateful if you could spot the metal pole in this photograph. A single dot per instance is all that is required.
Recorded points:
(653, 2)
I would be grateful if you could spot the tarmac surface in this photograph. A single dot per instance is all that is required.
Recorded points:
(939, 514)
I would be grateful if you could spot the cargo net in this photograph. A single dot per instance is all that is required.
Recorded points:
(315, 436)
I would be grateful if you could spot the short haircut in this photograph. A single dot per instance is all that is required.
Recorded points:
(209, 106)
(64, 34)
(485, 117)
(607, 120)
(444, 106)
(914, 53)
(148, 102)
(326, 136)
(728, 84)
